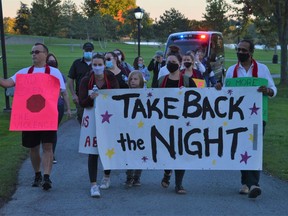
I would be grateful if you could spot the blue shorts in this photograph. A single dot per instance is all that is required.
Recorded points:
(31, 139)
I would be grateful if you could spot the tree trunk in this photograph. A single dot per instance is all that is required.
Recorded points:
(283, 75)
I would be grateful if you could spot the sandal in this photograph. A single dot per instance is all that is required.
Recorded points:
(180, 190)
(166, 180)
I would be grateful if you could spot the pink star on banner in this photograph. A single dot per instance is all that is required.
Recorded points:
(254, 109)
(245, 157)
(106, 117)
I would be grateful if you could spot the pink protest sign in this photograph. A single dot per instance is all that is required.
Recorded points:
(34, 106)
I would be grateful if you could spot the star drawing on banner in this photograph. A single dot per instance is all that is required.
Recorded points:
(245, 157)
(180, 93)
(214, 162)
(188, 124)
(149, 95)
(144, 159)
(140, 124)
(225, 123)
(251, 137)
(254, 109)
(230, 92)
(110, 153)
(106, 117)
(104, 96)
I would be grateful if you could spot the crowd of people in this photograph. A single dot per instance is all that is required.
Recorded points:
(111, 71)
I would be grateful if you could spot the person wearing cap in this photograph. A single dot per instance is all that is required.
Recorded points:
(155, 64)
(78, 70)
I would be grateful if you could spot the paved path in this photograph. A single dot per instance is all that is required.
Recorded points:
(209, 192)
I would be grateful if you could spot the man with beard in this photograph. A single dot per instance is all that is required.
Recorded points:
(248, 67)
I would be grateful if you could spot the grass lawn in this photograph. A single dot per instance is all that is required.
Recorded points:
(12, 153)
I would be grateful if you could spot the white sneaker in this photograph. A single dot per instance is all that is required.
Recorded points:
(105, 183)
(95, 192)
(244, 189)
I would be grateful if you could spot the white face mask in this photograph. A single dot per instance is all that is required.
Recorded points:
(98, 70)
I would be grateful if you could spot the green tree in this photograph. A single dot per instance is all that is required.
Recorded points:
(45, 17)
(130, 27)
(22, 20)
(90, 7)
(68, 19)
(271, 16)
(113, 8)
(215, 16)
(171, 21)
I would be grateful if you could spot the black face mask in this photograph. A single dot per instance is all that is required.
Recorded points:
(243, 57)
(52, 63)
(172, 67)
(187, 64)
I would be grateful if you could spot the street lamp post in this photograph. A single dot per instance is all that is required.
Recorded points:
(7, 108)
(138, 13)
(238, 27)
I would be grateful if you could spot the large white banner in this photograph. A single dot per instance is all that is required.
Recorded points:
(180, 128)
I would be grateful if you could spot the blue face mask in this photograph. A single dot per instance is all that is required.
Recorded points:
(109, 64)
(140, 65)
(87, 56)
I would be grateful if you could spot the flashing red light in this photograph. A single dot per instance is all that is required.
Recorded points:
(203, 36)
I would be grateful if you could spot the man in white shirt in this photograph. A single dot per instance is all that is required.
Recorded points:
(33, 139)
(248, 67)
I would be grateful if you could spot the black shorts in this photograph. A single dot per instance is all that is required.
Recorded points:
(31, 139)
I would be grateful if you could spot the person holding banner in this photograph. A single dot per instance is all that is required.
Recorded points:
(33, 139)
(135, 80)
(175, 79)
(102, 79)
(112, 65)
(63, 99)
(248, 67)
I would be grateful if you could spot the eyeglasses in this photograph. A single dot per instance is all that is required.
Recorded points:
(242, 50)
(97, 65)
(108, 59)
(36, 52)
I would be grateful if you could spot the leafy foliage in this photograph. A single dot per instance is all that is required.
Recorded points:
(22, 20)
(171, 21)
(215, 16)
(271, 16)
(45, 17)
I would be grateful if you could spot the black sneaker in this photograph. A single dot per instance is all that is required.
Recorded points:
(136, 182)
(37, 181)
(129, 182)
(47, 184)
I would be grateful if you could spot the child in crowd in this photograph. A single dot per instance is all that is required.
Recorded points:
(138, 64)
(135, 80)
